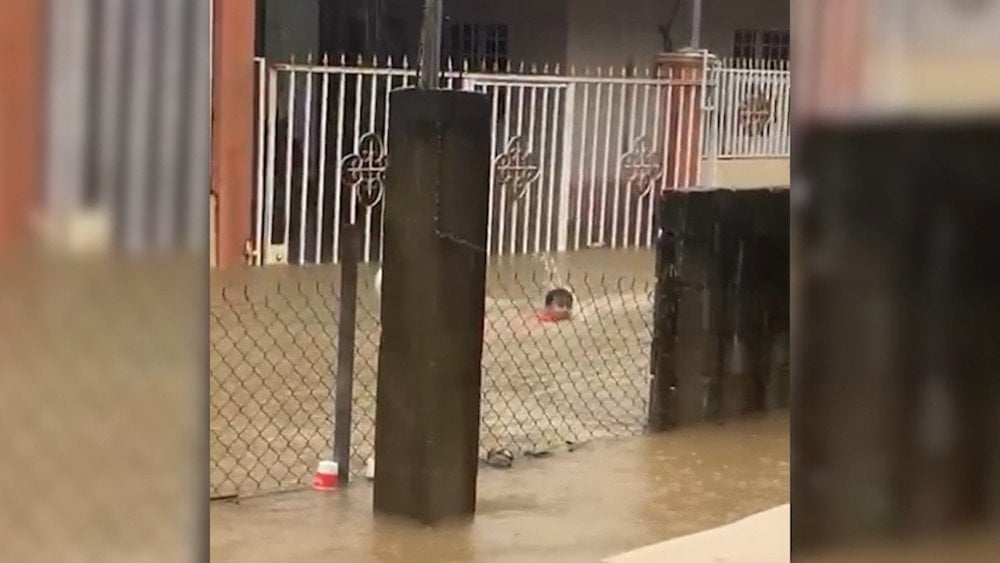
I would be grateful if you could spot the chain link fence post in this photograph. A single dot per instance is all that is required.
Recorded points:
(347, 327)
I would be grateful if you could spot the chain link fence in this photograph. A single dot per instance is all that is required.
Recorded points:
(545, 385)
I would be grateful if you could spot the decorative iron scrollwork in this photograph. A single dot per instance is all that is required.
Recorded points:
(642, 167)
(516, 169)
(756, 113)
(364, 171)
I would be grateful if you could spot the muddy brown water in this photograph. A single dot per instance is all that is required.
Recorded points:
(273, 333)
(605, 498)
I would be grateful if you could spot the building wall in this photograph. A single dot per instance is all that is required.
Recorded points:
(616, 32)
(752, 172)
(537, 28)
(720, 18)
(613, 33)
(291, 29)
(578, 32)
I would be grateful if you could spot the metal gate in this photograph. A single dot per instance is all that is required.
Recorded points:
(576, 157)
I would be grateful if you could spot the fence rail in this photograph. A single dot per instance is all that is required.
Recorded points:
(577, 155)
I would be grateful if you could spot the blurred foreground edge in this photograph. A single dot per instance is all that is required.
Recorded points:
(896, 319)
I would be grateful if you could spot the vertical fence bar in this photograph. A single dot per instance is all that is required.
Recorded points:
(714, 130)
(324, 128)
(581, 170)
(494, 130)
(338, 180)
(304, 181)
(267, 237)
(533, 147)
(677, 119)
(729, 133)
(369, 210)
(733, 134)
(358, 113)
(770, 144)
(550, 125)
(698, 145)
(616, 202)
(262, 134)
(644, 120)
(565, 177)
(746, 85)
(602, 227)
(502, 194)
(749, 96)
(659, 144)
(385, 138)
(691, 129)
(758, 89)
(627, 212)
(592, 203)
(518, 207)
(547, 179)
(289, 159)
(344, 378)
(784, 114)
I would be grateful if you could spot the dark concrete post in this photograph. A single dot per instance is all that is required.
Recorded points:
(434, 265)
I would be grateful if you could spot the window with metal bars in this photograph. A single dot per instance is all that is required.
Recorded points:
(772, 45)
(483, 46)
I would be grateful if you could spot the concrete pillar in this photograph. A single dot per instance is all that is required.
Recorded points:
(682, 114)
(433, 298)
(22, 64)
(232, 125)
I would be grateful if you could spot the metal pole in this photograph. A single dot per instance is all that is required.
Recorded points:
(695, 24)
(344, 377)
(430, 46)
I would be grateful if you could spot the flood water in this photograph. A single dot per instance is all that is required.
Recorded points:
(594, 263)
(273, 353)
(603, 499)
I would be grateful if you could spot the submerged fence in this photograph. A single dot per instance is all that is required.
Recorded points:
(545, 386)
(706, 339)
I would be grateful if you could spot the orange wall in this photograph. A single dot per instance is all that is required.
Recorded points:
(21, 67)
(232, 125)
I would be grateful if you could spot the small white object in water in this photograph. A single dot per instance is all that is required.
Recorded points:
(378, 283)
(370, 465)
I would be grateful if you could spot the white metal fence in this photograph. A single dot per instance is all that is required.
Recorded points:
(577, 156)
(752, 101)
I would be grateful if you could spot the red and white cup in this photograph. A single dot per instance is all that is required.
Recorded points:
(327, 477)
